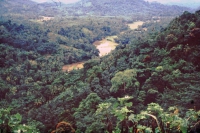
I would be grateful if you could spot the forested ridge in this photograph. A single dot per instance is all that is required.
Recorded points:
(134, 8)
(138, 9)
(150, 83)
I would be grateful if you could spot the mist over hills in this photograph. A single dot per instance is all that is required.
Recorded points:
(92, 7)
(193, 5)
(125, 7)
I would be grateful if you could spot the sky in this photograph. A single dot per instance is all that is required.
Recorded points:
(188, 3)
(174, 1)
(191, 3)
(64, 1)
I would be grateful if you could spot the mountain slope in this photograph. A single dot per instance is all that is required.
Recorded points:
(166, 62)
(126, 7)
(138, 9)
(163, 68)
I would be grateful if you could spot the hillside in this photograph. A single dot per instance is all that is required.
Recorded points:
(149, 83)
(137, 9)
(158, 71)
(125, 8)
(163, 68)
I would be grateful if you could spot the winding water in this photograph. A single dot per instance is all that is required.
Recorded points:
(105, 46)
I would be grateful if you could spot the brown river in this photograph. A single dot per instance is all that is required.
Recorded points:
(105, 46)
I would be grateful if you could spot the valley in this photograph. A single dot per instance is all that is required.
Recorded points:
(105, 46)
(93, 66)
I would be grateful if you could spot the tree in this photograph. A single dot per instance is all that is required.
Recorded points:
(125, 81)
(12, 122)
(63, 127)
(84, 114)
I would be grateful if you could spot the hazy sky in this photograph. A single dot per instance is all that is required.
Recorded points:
(175, 1)
(64, 1)
(161, 1)
(188, 3)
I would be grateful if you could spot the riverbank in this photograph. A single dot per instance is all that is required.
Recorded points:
(105, 46)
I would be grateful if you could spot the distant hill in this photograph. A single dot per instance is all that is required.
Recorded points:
(16, 5)
(27, 9)
(125, 7)
(139, 9)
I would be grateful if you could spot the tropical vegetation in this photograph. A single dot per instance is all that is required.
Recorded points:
(149, 83)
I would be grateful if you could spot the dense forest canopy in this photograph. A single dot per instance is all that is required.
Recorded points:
(149, 83)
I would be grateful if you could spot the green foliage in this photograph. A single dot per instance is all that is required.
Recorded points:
(162, 67)
(124, 80)
(159, 120)
(94, 72)
(12, 122)
(84, 114)
(114, 109)
(159, 69)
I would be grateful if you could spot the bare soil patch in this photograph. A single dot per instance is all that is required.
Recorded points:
(67, 68)
(135, 25)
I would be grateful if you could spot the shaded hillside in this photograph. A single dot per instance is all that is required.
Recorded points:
(165, 62)
(163, 68)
